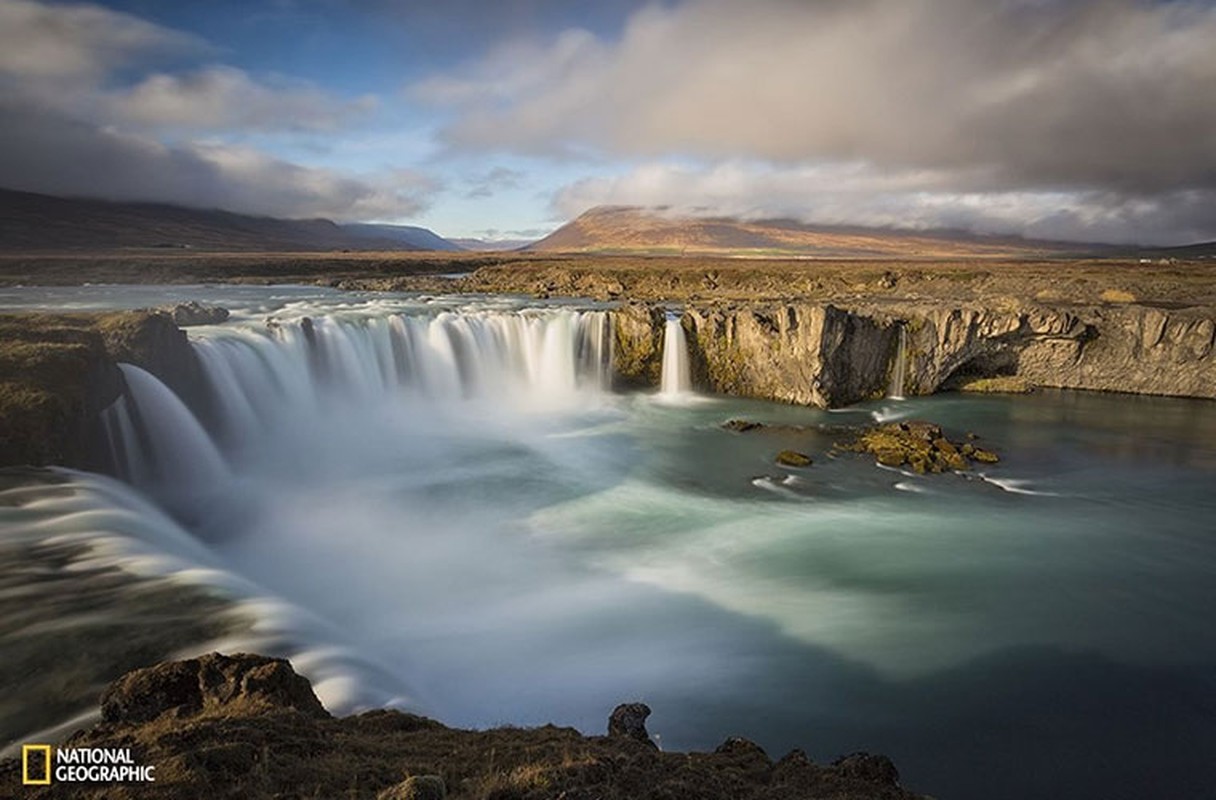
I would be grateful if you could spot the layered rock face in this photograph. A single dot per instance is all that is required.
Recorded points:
(835, 354)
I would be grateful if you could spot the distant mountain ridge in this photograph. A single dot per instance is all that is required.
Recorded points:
(493, 245)
(37, 222)
(415, 237)
(636, 230)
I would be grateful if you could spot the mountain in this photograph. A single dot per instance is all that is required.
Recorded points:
(416, 238)
(493, 245)
(633, 230)
(37, 222)
(1198, 250)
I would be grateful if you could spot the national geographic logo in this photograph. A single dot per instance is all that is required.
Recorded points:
(42, 765)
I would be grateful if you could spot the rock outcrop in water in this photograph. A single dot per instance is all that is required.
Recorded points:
(833, 355)
(920, 446)
(249, 727)
(57, 371)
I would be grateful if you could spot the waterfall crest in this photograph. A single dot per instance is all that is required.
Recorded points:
(534, 360)
(675, 378)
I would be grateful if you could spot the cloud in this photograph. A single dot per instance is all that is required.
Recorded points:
(47, 152)
(1104, 100)
(68, 125)
(225, 98)
(43, 41)
(857, 194)
(491, 183)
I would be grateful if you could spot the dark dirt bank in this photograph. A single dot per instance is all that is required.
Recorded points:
(249, 727)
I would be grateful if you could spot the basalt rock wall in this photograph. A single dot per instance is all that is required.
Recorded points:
(835, 354)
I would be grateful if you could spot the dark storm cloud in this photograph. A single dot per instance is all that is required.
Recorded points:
(46, 152)
(1088, 94)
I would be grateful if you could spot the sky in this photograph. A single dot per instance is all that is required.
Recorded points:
(1082, 120)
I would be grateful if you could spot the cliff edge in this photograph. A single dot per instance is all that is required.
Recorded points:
(247, 726)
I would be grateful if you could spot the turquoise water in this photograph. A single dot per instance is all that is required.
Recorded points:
(540, 549)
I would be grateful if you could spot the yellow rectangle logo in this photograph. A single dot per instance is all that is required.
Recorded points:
(36, 755)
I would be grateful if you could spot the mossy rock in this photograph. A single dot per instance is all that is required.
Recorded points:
(986, 456)
(919, 446)
(1005, 384)
(792, 458)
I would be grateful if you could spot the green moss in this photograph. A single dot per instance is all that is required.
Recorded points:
(919, 446)
(1004, 384)
(792, 458)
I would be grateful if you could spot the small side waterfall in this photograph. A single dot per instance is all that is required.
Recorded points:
(676, 378)
(899, 368)
(174, 449)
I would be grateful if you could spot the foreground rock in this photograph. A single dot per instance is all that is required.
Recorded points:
(246, 726)
(919, 445)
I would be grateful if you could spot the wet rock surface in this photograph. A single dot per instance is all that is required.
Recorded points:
(246, 726)
(918, 445)
(793, 458)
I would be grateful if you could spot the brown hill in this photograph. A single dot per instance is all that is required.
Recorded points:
(37, 222)
(632, 230)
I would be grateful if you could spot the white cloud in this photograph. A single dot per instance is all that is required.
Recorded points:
(855, 194)
(79, 42)
(225, 98)
(69, 126)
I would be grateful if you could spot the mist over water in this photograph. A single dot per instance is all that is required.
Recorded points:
(441, 505)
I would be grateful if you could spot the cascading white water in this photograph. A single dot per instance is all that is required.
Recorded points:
(380, 469)
(175, 449)
(675, 378)
(529, 361)
(899, 368)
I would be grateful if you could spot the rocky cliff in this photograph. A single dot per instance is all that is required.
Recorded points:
(834, 354)
(246, 726)
(58, 371)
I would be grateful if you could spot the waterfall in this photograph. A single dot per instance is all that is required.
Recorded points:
(899, 368)
(320, 369)
(675, 377)
(174, 450)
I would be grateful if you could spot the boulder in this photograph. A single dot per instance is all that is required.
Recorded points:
(792, 458)
(628, 720)
(239, 684)
(868, 767)
(195, 313)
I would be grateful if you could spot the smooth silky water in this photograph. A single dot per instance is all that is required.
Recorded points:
(441, 505)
